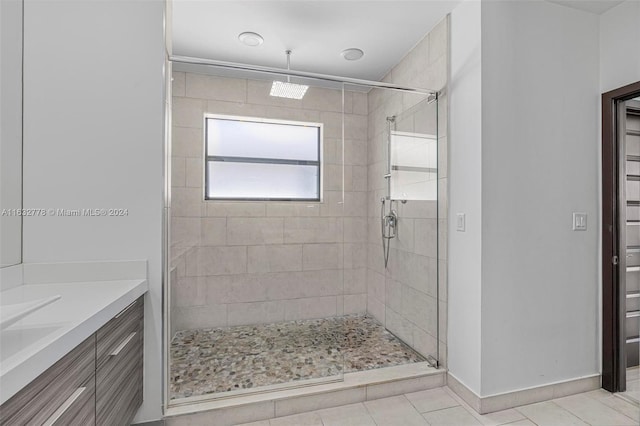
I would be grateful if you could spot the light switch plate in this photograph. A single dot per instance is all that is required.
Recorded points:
(579, 221)
(460, 222)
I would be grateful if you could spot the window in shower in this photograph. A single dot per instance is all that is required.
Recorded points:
(262, 159)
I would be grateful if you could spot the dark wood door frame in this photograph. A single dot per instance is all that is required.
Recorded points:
(613, 367)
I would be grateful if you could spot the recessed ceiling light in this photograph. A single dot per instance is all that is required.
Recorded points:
(251, 39)
(352, 54)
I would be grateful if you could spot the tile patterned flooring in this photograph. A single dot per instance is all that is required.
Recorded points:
(633, 384)
(441, 407)
(206, 361)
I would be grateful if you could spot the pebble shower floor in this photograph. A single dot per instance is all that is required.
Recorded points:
(206, 361)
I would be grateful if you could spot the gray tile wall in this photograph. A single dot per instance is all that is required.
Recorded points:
(404, 296)
(260, 262)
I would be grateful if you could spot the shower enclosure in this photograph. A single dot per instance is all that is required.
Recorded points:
(277, 275)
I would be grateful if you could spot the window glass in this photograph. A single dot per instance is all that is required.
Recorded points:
(262, 140)
(262, 181)
(255, 159)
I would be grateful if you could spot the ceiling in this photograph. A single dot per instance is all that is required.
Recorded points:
(316, 32)
(594, 6)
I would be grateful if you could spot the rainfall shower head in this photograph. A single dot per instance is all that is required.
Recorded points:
(281, 89)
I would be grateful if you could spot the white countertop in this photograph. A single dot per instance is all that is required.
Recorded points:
(35, 343)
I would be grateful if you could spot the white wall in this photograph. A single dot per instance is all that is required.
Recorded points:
(539, 150)
(619, 41)
(465, 166)
(94, 139)
(523, 289)
(10, 130)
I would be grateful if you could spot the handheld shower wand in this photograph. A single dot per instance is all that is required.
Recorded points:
(389, 223)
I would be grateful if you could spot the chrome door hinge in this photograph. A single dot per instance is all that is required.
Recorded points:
(614, 260)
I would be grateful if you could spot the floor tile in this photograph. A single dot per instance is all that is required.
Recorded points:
(431, 400)
(260, 423)
(491, 419)
(444, 408)
(394, 411)
(633, 385)
(459, 399)
(598, 394)
(525, 422)
(632, 395)
(499, 417)
(550, 414)
(304, 419)
(455, 416)
(619, 404)
(347, 415)
(593, 411)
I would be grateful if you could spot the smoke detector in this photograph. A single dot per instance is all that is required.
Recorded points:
(352, 54)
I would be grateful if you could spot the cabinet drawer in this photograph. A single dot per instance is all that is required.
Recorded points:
(41, 398)
(79, 409)
(116, 331)
(119, 376)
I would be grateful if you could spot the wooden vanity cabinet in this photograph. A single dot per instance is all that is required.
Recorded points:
(60, 390)
(119, 367)
(98, 383)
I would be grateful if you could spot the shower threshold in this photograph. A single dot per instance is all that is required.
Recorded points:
(227, 362)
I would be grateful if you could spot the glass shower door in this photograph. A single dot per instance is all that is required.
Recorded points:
(403, 225)
(413, 189)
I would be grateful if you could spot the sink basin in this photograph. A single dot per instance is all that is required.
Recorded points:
(10, 314)
(13, 341)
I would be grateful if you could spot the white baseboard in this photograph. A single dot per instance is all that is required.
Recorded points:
(503, 401)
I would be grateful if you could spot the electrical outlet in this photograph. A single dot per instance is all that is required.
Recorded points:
(579, 221)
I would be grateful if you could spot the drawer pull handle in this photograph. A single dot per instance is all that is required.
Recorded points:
(64, 407)
(123, 344)
(125, 309)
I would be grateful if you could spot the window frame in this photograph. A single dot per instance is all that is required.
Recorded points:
(248, 160)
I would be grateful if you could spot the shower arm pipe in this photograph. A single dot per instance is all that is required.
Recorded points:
(304, 74)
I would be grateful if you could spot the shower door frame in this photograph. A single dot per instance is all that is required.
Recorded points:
(613, 258)
(166, 267)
